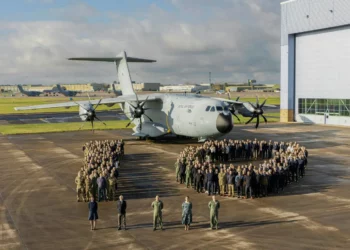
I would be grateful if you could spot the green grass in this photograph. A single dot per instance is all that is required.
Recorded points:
(7, 105)
(58, 127)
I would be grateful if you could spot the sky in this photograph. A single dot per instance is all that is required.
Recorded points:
(235, 40)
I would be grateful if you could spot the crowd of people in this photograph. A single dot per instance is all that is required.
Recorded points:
(210, 167)
(98, 176)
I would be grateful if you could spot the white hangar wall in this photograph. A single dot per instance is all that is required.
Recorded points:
(315, 60)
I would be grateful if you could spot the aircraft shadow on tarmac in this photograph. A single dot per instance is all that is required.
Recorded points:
(141, 179)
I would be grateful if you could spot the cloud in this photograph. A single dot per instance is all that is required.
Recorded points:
(235, 40)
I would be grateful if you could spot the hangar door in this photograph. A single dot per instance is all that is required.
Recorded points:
(322, 76)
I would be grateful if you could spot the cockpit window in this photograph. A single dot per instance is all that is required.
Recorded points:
(219, 108)
(212, 109)
(226, 108)
(208, 108)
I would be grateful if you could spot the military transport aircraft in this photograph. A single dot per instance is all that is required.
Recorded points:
(158, 114)
(66, 92)
(28, 93)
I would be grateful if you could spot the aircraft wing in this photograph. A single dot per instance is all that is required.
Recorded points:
(119, 99)
(241, 103)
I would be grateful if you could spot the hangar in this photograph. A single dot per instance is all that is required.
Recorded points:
(315, 61)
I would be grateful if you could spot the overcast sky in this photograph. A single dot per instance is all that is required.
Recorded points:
(235, 40)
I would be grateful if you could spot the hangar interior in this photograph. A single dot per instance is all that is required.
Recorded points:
(315, 59)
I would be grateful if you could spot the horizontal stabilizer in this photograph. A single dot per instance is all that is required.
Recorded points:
(111, 59)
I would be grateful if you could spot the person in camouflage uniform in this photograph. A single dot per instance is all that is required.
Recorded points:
(111, 188)
(88, 188)
(79, 181)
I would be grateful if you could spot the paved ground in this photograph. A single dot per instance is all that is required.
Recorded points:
(38, 208)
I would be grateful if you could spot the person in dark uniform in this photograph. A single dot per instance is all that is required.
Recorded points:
(121, 206)
(210, 181)
(93, 216)
(199, 181)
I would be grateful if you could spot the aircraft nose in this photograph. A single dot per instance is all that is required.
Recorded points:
(224, 123)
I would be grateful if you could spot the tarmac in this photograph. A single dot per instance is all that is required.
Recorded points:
(38, 208)
(59, 117)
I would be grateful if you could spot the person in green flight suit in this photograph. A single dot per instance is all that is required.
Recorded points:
(214, 206)
(188, 175)
(157, 206)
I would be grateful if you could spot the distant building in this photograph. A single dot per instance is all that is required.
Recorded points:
(177, 88)
(147, 86)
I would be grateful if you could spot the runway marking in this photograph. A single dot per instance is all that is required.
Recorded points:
(332, 199)
(230, 238)
(65, 153)
(20, 156)
(302, 220)
(6, 232)
(9, 245)
(41, 189)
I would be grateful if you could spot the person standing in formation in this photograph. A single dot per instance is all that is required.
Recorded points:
(93, 216)
(187, 213)
(214, 206)
(157, 206)
(121, 206)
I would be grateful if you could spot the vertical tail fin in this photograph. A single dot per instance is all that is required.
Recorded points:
(121, 62)
(20, 88)
(124, 74)
(59, 88)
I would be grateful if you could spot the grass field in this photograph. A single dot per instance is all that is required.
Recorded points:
(58, 127)
(7, 105)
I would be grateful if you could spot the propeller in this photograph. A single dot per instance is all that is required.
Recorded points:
(139, 111)
(90, 114)
(232, 109)
(258, 111)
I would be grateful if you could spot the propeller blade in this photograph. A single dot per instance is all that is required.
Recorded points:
(130, 122)
(252, 105)
(257, 122)
(89, 97)
(262, 105)
(131, 105)
(237, 99)
(143, 103)
(237, 118)
(92, 125)
(137, 98)
(100, 121)
(264, 118)
(250, 119)
(97, 104)
(148, 117)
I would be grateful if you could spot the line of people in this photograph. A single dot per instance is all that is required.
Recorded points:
(209, 168)
(98, 176)
(157, 206)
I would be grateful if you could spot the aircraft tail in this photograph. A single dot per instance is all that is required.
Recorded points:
(20, 88)
(59, 88)
(121, 62)
(114, 90)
